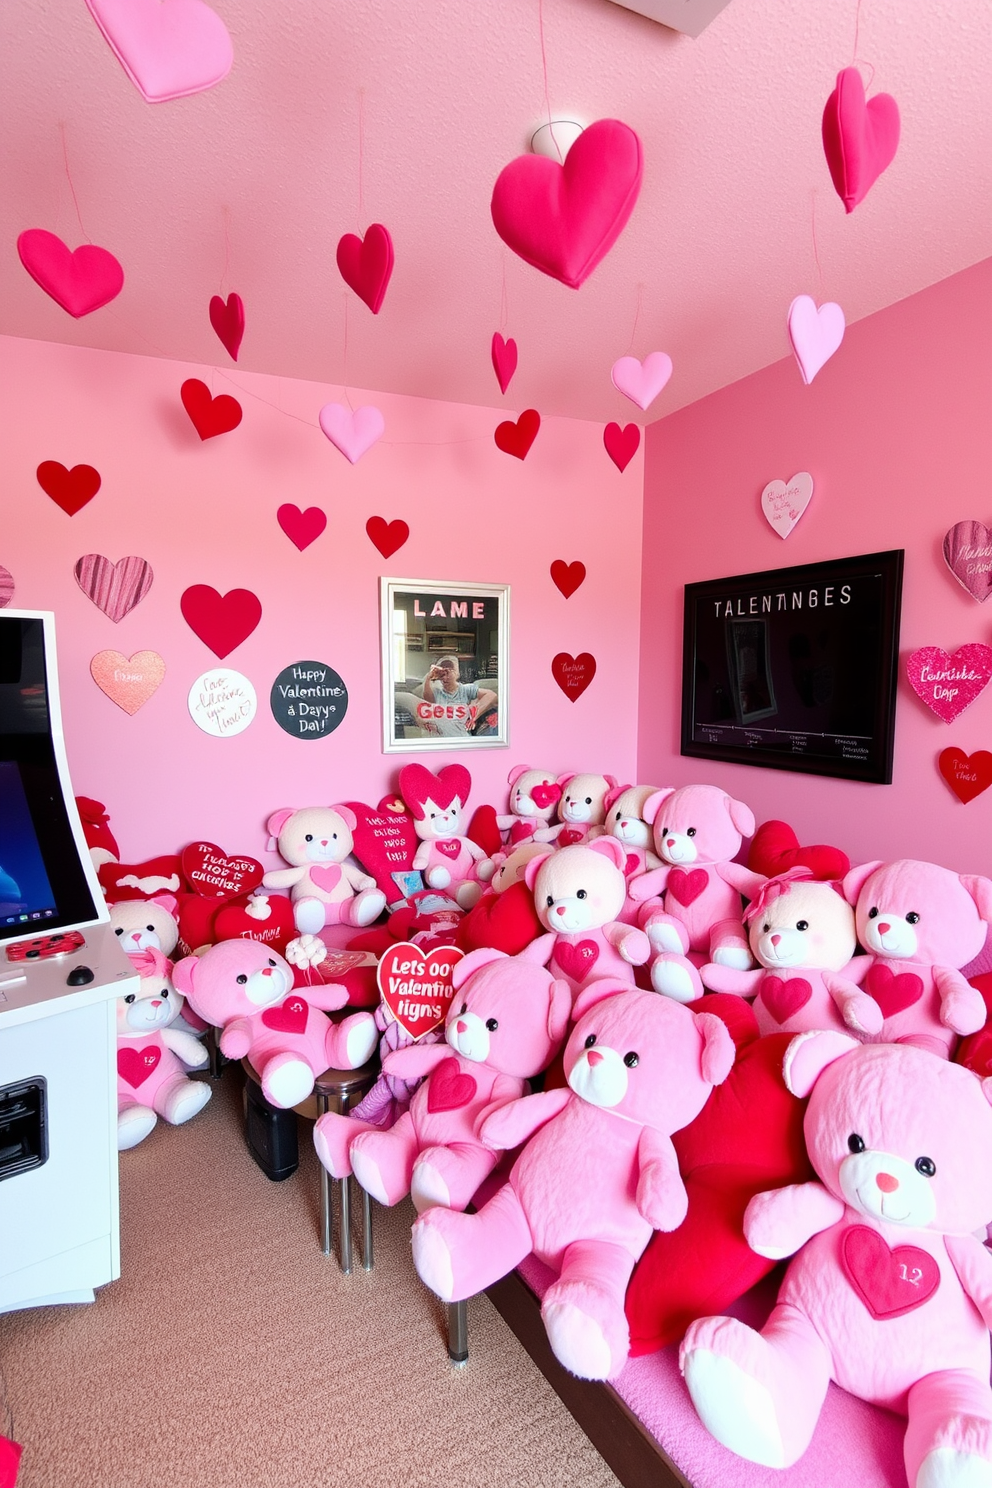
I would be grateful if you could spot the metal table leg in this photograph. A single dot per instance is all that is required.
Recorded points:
(368, 1253)
(325, 1188)
(344, 1189)
(458, 1332)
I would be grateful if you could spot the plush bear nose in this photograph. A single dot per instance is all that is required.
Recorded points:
(156, 1002)
(884, 927)
(323, 841)
(669, 841)
(776, 939)
(593, 1056)
(886, 1182)
(266, 970)
(561, 909)
(462, 1027)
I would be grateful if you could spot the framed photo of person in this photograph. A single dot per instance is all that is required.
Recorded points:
(445, 665)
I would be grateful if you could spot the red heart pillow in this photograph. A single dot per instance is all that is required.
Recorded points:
(775, 848)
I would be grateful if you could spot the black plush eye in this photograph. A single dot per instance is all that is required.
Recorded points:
(581, 894)
(873, 913)
(691, 832)
(151, 928)
(926, 1166)
(856, 1143)
(492, 1024)
(241, 979)
(802, 924)
(334, 836)
(663, 831)
(550, 901)
(631, 1059)
(588, 800)
(164, 994)
(463, 1009)
(308, 837)
(271, 962)
(129, 997)
(590, 1041)
(120, 931)
(765, 927)
(913, 919)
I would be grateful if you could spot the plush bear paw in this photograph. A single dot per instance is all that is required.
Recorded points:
(428, 1189)
(735, 1408)
(666, 935)
(133, 1125)
(468, 894)
(862, 1014)
(676, 978)
(309, 916)
(432, 1258)
(366, 1170)
(332, 1138)
(438, 878)
(585, 1331)
(947, 1467)
(185, 1101)
(737, 957)
(360, 1040)
(963, 1010)
(367, 907)
(286, 1081)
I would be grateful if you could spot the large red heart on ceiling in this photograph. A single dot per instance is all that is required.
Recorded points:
(79, 281)
(563, 219)
(168, 48)
(573, 673)
(228, 320)
(222, 621)
(208, 415)
(366, 264)
(860, 137)
(69, 489)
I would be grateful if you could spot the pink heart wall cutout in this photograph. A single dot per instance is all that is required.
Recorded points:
(567, 577)
(641, 382)
(563, 219)
(301, 527)
(367, 264)
(115, 588)
(517, 438)
(209, 416)
(949, 684)
(222, 622)
(79, 281)
(168, 48)
(388, 537)
(621, 444)
(783, 502)
(504, 355)
(815, 333)
(573, 673)
(69, 489)
(129, 681)
(352, 433)
(228, 320)
(860, 138)
(968, 554)
(6, 586)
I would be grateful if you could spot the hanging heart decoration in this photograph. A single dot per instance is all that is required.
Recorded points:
(80, 281)
(517, 438)
(563, 219)
(69, 489)
(168, 48)
(783, 502)
(228, 320)
(504, 360)
(115, 588)
(621, 444)
(222, 622)
(573, 673)
(301, 527)
(567, 576)
(6, 586)
(815, 332)
(129, 681)
(353, 433)
(949, 684)
(367, 264)
(209, 416)
(860, 137)
(968, 554)
(388, 537)
(641, 382)
(966, 774)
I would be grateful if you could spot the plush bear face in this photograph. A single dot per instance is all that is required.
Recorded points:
(534, 794)
(233, 979)
(318, 834)
(697, 824)
(580, 887)
(512, 866)
(439, 822)
(624, 820)
(583, 799)
(801, 922)
(155, 1005)
(510, 1013)
(914, 911)
(143, 925)
(904, 1137)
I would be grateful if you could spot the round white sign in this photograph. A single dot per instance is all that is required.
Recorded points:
(222, 703)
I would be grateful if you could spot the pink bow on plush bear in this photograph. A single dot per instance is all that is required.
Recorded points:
(891, 1293)
(153, 1055)
(534, 795)
(578, 895)
(598, 1173)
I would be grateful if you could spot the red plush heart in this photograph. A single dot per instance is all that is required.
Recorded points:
(211, 873)
(135, 1065)
(567, 576)
(573, 673)
(775, 848)
(563, 219)
(504, 360)
(483, 831)
(301, 527)
(209, 416)
(228, 320)
(69, 489)
(686, 885)
(418, 785)
(967, 774)
(222, 621)
(448, 1089)
(975, 1051)
(893, 993)
(631, 864)
(860, 138)
(416, 985)
(388, 537)
(506, 922)
(79, 281)
(621, 444)
(385, 843)
(289, 1017)
(784, 998)
(449, 847)
(517, 438)
(576, 959)
(365, 265)
(889, 1282)
(122, 882)
(546, 795)
(197, 922)
(326, 877)
(268, 918)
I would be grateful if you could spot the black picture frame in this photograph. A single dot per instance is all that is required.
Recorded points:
(796, 668)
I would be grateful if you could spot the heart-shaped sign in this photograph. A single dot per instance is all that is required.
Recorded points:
(289, 1016)
(889, 1282)
(134, 1065)
(504, 360)
(69, 489)
(573, 673)
(366, 264)
(576, 958)
(449, 1087)
(860, 138)
(416, 985)
(517, 438)
(129, 681)
(784, 998)
(563, 219)
(79, 281)
(209, 416)
(115, 588)
(641, 382)
(815, 332)
(213, 875)
(686, 884)
(966, 774)
(968, 554)
(222, 622)
(621, 444)
(783, 502)
(893, 991)
(949, 684)
(353, 433)
(168, 48)
(265, 917)
(388, 537)
(301, 527)
(567, 577)
(6, 586)
(228, 320)
(386, 842)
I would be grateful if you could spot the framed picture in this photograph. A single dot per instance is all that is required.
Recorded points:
(796, 668)
(445, 665)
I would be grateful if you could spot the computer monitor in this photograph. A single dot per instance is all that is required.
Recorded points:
(47, 880)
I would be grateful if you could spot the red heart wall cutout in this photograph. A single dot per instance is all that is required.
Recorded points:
(79, 281)
(783, 998)
(686, 884)
(517, 438)
(567, 576)
(301, 527)
(135, 1065)
(289, 1017)
(366, 266)
(416, 986)
(966, 774)
(889, 1282)
(115, 588)
(69, 489)
(221, 621)
(504, 360)
(228, 320)
(448, 1089)
(621, 444)
(388, 537)
(212, 874)
(893, 993)
(859, 139)
(208, 415)
(573, 673)
(385, 843)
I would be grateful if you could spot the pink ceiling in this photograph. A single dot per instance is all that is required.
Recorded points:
(336, 115)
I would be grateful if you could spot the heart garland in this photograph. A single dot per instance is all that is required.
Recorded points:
(115, 588)
(949, 684)
(641, 382)
(301, 527)
(80, 281)
(129, 681)
(968, 555)
(222, 622)
(228, 320)
(621, 444)
(366, 264)
(966, 774)
(860, 138)
(567, 577)
(573, 673)
(209, 416)
(815, 332)
(783, 502)
(353, 433)
(69, 489)
(504, 354)
(388, 537)
(517, 438)
(168, 48)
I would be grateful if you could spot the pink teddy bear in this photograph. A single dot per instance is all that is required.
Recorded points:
(153, 1056)
(691, 905)
(448, 859)
(919, 924)
(505, 1024)
(246, 989)
(581, 810)
(578, 895)
(598, 1174)
(534, 794)
(890, 1294)
(325, 888)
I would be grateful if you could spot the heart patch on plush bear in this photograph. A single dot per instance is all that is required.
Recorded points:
(686, 884)
(448, 847)
(449, 1089)
(115, 588)
(784, 998)
(326, 877)
(893, 992)
(889, 1282)
(416, 985)
(545, 795)
(135, 1065)
(576, 959)
(289, 1017)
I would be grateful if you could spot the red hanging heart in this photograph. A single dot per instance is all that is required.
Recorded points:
(573, 673)
(212, 874)
(893, 993)
(289, 1017)
(860, 138)
(228, 320)
(388, 537)
(135, 1065)
(69, 489)
(686, 885)
(621, 444)
(784, 998)
(504, 360)
(221, 621)
(448, 1089)
(366, 266)
(576, 958)
(567, 576)
(416, 985)
(209, 416)
(79, 281)
(889, 1282)
(517, 438)
(301, 527)
(966, 774)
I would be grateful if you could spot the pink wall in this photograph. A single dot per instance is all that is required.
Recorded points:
(206, 513)
(896, 431)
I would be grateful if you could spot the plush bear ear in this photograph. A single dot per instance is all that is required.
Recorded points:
(347, 816)
(559, 1011)
(464, 968)
(533, 864)
(597, 992)
(609, 847)
(168, 902)
(183, 974)
(654, 803)
(538, 951)
(564, 779)
(719, 1049)
(855, 881)
(611, 781)
(808, 1056)
(613, 795)
(516, 773)
(980, 890)
(278, 820)
(742, 817)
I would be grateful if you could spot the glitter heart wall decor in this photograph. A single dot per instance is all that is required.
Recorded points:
(968, 775)
(950, 683)
(115, 588)
(129, 681)
(968, 554)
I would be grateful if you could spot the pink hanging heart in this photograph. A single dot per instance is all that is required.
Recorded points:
(949, 684)
(115, 588)
(79, 281)
(860, 138)
(504, 360)
(352, 433)
(783, 502)
(968, 554)
(228, 320)
(301, 527)
(621, 444)
(129, 681)
(641, 382)
(563, 219)
(168, 48)
(366, 265)
(815, 333)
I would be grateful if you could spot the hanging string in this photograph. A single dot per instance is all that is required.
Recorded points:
(857, 29)
(547, 95)
(344, 369)
(812, 226)
(225, 287)
(361, 158)
(637, 313)
(68, 176)
(503, 302)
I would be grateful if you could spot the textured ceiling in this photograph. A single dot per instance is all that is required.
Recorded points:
(339, 113)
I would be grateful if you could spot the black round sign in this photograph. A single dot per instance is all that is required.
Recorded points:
(308, 699)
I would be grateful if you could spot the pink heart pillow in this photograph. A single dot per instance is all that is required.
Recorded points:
(860, 137)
